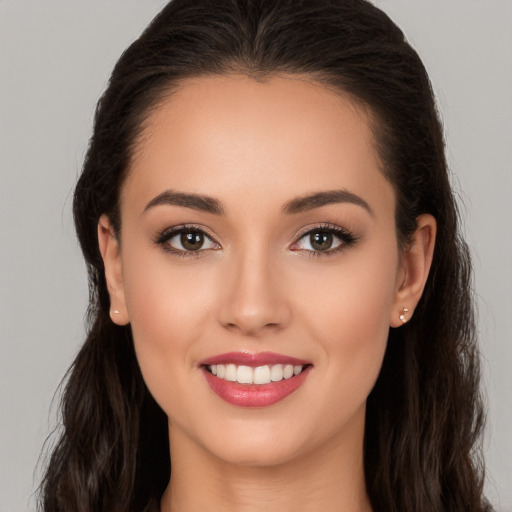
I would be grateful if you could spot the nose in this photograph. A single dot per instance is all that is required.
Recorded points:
(253, 298)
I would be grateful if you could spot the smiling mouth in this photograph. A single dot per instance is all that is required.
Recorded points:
(255, 375)
(254, 380)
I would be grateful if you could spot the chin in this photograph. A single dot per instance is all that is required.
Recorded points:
(257, 454)
(249, 442)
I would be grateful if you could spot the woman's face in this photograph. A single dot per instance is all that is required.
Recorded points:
(258, 232)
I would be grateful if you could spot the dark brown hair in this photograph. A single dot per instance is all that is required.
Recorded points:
(424, 416)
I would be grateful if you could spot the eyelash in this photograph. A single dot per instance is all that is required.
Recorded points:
(346, 238)
(163, 238)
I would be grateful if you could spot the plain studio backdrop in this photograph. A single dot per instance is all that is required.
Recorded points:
(55, 59)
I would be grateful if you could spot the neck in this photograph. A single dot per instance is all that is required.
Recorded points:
(330, 478)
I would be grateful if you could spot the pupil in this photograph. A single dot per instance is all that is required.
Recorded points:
(321, 240)
(192, 241)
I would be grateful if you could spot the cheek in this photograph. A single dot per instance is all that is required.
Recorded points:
(167, 309)
(353, 300)
(348, 313)
(164, 299)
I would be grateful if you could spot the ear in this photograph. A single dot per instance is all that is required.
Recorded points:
(111, 253)
(415, 267)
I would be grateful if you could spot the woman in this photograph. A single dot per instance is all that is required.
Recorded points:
(280, 305)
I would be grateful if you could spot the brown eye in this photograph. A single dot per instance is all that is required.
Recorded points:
(324, 240)
(183, 241)
(192, 240)
(321, 240)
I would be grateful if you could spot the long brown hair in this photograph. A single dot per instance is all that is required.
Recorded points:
(424, 416)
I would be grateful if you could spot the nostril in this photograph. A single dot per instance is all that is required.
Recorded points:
(252, 307)
(254, 329)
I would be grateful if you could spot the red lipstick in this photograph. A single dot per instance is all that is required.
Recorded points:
(254, 380)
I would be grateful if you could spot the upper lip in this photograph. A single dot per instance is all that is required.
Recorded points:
(253, 359)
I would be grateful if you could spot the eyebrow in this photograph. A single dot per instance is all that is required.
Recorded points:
(301, 204)
(193, 201)
(305, 203)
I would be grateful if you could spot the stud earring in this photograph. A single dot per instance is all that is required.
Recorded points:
(116, 312)
(402, 316)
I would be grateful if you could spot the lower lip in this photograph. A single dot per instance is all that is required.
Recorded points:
(255, 395)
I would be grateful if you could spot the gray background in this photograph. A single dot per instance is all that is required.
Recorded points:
(55, 58)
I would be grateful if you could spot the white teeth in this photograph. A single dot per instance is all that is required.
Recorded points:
(244, 375)
(259, 375)
(276, 372)
(230, 372)
(288, 371)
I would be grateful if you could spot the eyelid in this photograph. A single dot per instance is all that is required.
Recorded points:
(346, 237)
(162, 237)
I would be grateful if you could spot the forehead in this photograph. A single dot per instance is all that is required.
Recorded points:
(221, 135)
